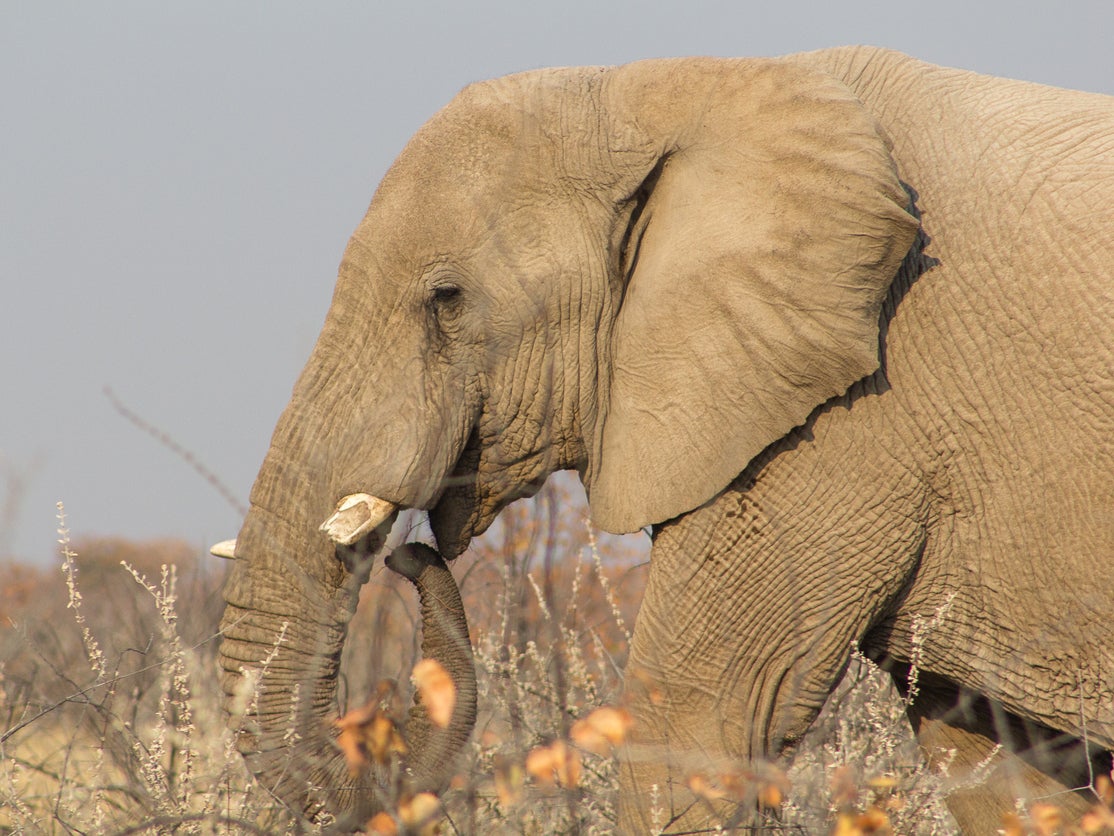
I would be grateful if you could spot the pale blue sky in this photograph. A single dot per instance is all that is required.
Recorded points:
(177, 183)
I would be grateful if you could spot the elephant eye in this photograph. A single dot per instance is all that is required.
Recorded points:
(444, 304)
(445, 293)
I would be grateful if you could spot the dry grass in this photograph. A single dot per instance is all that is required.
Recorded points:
(111, 721)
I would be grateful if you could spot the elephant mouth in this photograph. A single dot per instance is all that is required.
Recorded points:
(465, 507)
(360, 523)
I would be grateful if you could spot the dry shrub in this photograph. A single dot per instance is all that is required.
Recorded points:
(112, 724)
(549, 608)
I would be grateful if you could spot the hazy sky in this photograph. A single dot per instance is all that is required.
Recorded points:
(177, 183)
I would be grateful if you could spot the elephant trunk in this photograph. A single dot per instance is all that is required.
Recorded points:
(283, 632)
(289, 603)
(433, 749)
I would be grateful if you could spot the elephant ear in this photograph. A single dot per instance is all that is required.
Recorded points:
(767, 229)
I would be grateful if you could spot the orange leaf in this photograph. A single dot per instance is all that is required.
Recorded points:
(873, 821)
(770, 796)
(845, 826)
(437, 690)
(612, 723)
(736, 783)
(1047, 818)
(603, 728)
(539, 765)
(1091, 822)
(555, 763)
(383, 739)
(1011, 825)
(368, 734)
(703, 788)
(1104, 788)
(589, 738)
(509, 779)
(382, 824)
(420, 812)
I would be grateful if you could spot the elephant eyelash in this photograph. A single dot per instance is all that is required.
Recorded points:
(445, 293)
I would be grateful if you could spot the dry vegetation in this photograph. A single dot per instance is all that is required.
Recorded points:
(110, 723)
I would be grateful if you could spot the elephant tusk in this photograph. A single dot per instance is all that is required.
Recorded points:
(356, 515)
(225, 549)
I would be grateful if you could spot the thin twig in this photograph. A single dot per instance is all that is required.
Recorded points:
(181, 452)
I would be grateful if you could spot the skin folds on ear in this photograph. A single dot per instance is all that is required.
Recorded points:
(758, 263)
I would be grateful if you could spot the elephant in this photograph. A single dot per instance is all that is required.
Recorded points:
(835, 328)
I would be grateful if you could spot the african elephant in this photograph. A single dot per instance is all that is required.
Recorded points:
(837, 327)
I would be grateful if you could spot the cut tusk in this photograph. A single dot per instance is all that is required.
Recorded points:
(225, 549)
(356, 515)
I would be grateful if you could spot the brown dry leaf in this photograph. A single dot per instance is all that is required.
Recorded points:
(350, 742)
(603, 728)
(1098, 819)
(701, 787)
(367, 734)
(845, 826)
(420, 813)
(1104, 789)
(1047, 818)
(874, 822)
(773, 786)
(737, 784)
(589, 738)
(437, 689)
(556, 763)
(509, 780)
(612, 723)
(770, 796)
(382, 824)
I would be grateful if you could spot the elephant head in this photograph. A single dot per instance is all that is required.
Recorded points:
(646, 273)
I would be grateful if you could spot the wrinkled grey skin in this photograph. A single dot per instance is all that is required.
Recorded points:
(429, 762)
(433, 750)
(838, 326)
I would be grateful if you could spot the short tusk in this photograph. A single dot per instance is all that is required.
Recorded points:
(356, 515)
(225, 549)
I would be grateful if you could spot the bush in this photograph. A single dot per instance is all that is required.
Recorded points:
(112, 720)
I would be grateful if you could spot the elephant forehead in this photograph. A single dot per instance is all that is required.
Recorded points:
(494, 139)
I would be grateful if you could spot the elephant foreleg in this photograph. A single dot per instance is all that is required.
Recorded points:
(746, 627)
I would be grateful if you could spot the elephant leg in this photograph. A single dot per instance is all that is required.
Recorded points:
(692, 729)
(996, 760)
(745, 629)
